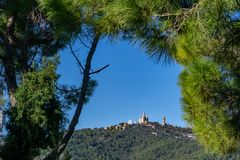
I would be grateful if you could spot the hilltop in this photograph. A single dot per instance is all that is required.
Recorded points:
(150, 141)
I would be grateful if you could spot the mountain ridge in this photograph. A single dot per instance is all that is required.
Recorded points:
(150, 141)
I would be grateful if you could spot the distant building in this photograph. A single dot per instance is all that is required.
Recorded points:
(164, 121)
(143, 119)
(130, 122)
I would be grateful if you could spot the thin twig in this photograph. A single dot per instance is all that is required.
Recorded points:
(99, 70)
(78, 61)
(61, 89)
(84, 44)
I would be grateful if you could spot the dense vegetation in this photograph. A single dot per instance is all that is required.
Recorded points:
(137, 142)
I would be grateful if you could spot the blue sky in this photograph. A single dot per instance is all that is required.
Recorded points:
(132, 84)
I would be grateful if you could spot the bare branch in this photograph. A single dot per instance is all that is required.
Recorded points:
(99, 70)
(84, 34)
(78, 61)
(83, 43)
(61, 89)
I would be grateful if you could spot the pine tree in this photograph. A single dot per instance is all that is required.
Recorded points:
(209, 50)
(34, 113)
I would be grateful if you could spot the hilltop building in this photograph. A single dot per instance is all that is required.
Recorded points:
(130, 122)
(164, 121)
(143, 119)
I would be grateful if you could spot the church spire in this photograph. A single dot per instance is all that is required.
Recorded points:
(143, 119)
(164, 121)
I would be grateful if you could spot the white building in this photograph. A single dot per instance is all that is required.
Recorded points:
(130, 122)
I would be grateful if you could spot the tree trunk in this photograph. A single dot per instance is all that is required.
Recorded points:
(9, 63)
(84, 87)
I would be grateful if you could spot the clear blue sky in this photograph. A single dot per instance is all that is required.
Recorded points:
(131, 85)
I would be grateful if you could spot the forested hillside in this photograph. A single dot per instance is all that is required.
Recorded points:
(138, 142)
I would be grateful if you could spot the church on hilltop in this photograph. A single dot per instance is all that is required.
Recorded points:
(143, 119)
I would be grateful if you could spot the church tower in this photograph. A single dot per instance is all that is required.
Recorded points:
(143, 119)
(164, 121)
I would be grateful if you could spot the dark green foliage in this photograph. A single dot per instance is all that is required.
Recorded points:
(36, 120)
(34, 115)
(66, 156)
(137, 142)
